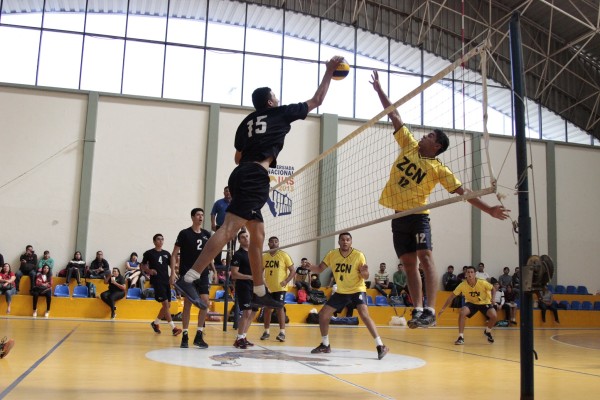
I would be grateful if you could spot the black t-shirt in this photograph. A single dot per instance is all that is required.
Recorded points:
(262, 133)
(302, 274)
(191, 245)
(114, 288)
(159, 261)
(240, 260)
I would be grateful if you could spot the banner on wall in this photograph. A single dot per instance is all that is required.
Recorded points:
(280, 201)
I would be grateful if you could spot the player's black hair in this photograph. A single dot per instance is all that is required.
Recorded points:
(261, 97)
(344, 234)
(442, 139)
(195, 210)
(240, 233)
(156, 236)
(472, 267)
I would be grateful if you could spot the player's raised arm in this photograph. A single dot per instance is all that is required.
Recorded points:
(319, 95)
(498, 212)
(385, 101)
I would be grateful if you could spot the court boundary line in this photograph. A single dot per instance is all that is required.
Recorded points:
(27, 372)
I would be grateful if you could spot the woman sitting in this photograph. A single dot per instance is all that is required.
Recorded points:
(76, 268)
(7, 284)
(116, 290)
(133, 273)
(43, 287)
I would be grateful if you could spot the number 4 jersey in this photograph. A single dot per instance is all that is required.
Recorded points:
(345, 270)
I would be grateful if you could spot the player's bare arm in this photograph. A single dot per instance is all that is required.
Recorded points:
(319, 95)
(498, 212)
(385, 101)
(363, 270)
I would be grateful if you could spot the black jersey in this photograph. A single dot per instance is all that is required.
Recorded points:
(262, 133)
(159, 261)
(191, 245)
(240, 260)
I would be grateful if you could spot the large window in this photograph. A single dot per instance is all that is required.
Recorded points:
(220, 51)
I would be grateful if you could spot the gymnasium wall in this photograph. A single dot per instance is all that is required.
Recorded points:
(149, 170)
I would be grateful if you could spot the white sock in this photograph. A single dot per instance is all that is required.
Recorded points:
(282, 331)
(267, 331)
(462, 335)
(431, 309)
(240, 336)
(378, 341)
(172, 324)
(258, 290)
(191, 276)
(325, 340)
(185, 331)
(200, 329)
(488, 330)
(157, 321)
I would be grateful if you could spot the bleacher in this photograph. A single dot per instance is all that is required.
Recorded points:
(133, 307)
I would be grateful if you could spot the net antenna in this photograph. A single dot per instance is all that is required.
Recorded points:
(339, 190)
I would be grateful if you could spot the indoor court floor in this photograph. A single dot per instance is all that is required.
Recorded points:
(100, 359)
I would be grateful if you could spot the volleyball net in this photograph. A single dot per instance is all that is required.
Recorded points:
(340, 189)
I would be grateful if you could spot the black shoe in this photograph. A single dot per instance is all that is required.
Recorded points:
(155, 327)
(265, 336)
(426, 319)
(265, 301)
(460, 341)
(199, 341)
(321, 349)
(414, 322)
(489, 336)
(281, 337)
(240, 344)
(184, 340)
(382, 351)
(248, 343)
(189, 291)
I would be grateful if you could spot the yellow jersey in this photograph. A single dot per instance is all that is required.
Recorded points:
(480, 293)
(276, 269)
(345, 270)
(413, 177)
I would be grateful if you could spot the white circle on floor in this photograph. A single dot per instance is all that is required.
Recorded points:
(290, 360)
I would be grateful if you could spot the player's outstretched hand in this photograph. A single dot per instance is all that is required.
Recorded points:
(333, 63)
(499, 212)
(375, 81)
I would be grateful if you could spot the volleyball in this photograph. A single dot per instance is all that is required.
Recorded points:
(341, 71)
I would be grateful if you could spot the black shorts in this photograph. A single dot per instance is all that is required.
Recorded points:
(411, 233)
(473, 308)
(249, 187)
(339, 301)
(243, 293)
(162, 291)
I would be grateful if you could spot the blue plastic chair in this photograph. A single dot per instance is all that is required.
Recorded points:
(173, 295)
(566, 304)
(381, 301)
(582, 290)
(551, 288)
(80, 291)
(586, 305)
(597, 306)
(149, 293)
(290, 298)
(62, 291)
(559, 289)
(134, 293)
(370, 300)
(571, 289)
(575, 305)
(219, 295)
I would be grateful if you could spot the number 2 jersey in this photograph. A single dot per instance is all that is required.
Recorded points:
(262, 133)
(345, 270)
(413, 177)
(276, 269)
